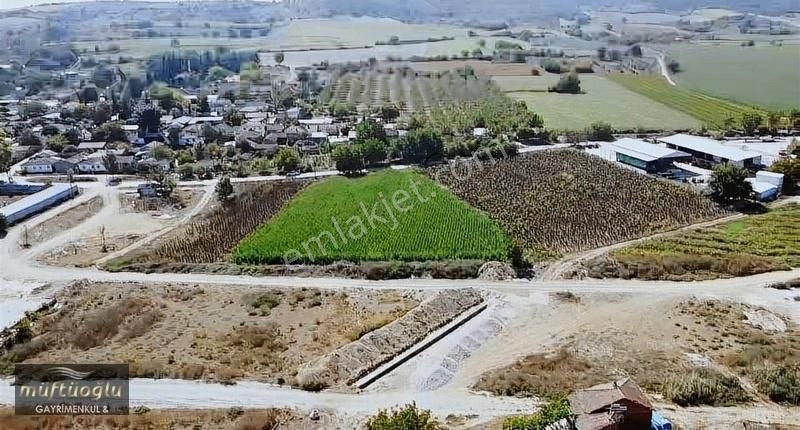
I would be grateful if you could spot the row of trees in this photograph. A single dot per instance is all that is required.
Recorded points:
(421, 145)
(169, 65)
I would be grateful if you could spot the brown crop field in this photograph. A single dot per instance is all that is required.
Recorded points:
(212, 237)
(565, 201)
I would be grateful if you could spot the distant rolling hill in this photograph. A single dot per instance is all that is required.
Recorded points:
(511, 10)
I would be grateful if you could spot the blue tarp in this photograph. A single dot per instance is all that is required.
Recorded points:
(658, 422)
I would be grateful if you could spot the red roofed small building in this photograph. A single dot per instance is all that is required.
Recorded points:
(619, 405)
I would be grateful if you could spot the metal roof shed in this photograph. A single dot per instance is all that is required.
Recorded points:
(711, 149)
(38, 202)
(646, 151)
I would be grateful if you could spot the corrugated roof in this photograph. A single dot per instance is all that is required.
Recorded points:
(646, 151)
(33, 199)
(708, 146)
(91, 145)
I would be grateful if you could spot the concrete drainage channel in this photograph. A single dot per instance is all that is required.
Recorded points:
(418, 348)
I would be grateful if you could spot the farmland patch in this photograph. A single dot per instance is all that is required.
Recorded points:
(710, 110)
(756, 244)
(603, 100)
(559, 202)
(689, 355)
(389, 215)
(763, 75)
(408, 90)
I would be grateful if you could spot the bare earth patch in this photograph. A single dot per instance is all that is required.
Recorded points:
(84, 252)
(670, 348)
(211, 333)
(211, 419)
(64, 221)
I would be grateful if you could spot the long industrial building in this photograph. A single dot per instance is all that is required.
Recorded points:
(645, 156)
(710, 150)
(36, 203)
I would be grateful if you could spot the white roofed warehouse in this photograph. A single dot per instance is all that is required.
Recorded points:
(36, 203)
(646, 156)
(711, 151)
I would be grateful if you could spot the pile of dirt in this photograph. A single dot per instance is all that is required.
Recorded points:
(496, 271)
(354, 360)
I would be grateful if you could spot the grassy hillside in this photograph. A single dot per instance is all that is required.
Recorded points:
(603, 100)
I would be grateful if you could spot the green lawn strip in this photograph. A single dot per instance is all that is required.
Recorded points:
(361, 220)
(706, 108)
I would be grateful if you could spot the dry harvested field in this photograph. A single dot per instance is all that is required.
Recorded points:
(559, 202)
(211, 333)
(210, 236)
(356, 359)
(696, 352)
(132, 219)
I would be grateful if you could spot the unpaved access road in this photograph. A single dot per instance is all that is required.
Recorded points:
(172, 393)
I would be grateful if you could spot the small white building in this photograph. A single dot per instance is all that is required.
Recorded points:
(480, 132)
(770, 178)
(131, 132)
(39, 165)
(93, 164)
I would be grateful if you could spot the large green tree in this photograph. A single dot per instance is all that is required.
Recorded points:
(790, 168)
(369, 129)
(5, 152)
(57, 143)
(374, 151)
(233, 117)
(601, 131)
(422, 146)
(568, 84)
(750, 121)
(728, 183)
(224, 189)
(287, 160)
(348, 159)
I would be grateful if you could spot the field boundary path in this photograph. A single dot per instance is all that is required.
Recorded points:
(559, 268)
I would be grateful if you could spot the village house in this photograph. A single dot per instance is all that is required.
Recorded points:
(89, 147)
(44, 165)
(619, 405)
(93, 163)
(131, 132)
